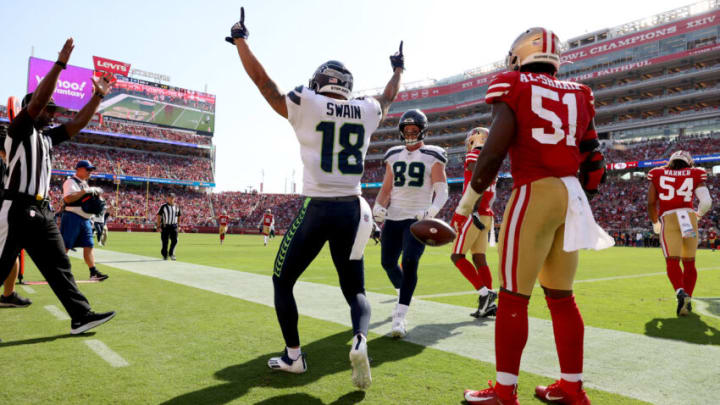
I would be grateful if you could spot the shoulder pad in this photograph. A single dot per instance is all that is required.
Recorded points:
(295, 94)
(500, 86)
(393, 151)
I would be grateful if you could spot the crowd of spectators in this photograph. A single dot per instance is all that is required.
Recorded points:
(150, 131)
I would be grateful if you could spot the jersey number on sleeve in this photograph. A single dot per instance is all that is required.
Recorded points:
(685, 190)
(415, 170)
(350, 147)
(538, 94)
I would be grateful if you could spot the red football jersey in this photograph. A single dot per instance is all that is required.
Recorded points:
(676, 188)
(485, 205)
(551, 119)
(712, 235)
(267, 219)
(223, 219)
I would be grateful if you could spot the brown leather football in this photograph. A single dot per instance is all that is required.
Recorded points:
(432, 232)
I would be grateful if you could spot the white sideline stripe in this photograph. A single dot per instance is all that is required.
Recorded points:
(28, 289)
(106, 353)
(588, 280)
(629, 364)
(57, 313)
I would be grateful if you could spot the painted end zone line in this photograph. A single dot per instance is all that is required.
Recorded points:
(28, 289)
(106, 353)
(589, 280)
(57, 313)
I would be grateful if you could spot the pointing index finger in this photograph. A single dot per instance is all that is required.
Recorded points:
(401, 45)
(242, 15)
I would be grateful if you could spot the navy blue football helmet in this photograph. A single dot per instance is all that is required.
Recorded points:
(332, 77)
(413, 117)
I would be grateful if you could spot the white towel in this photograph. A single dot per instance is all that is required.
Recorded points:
(686, 227)
(581, 230)
(364, 230)
(492, 232)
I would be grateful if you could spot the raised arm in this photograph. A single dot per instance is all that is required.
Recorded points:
(46, 87)
(238, 36)
(393, 86)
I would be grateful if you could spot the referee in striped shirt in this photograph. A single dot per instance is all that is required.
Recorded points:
(167, 221)
(26, 220)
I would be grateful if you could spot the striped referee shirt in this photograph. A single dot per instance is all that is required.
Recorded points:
(169, 214)
(29, 156)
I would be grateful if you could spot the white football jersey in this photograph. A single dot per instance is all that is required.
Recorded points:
(412, 190)
(334, 136)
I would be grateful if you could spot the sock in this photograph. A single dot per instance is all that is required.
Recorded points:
(569, 331)
(511, 332)
(483, 291)
(485, 276)
(92, 269)
(689, 276)
(266, 239)
(222, 237)
(401, 310)
(293, 353)
(468, 270)
(674, 272)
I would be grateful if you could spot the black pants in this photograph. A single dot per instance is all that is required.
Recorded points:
(98, 228)
(169, 232)
(320, 221)
(29, 227)
(396, 239)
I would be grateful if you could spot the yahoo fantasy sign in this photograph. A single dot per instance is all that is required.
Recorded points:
(74, 87)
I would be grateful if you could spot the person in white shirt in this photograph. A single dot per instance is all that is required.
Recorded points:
(75, 225)
(414, 172)
(333, 130)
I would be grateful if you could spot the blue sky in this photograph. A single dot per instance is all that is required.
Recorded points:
(290, 38)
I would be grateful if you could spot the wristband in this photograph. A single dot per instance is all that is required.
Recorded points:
(63, 65)
(99, 95)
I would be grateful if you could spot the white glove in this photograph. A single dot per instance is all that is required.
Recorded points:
(379, 213)
(657, 228)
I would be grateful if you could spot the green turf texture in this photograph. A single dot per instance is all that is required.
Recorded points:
(190, 346)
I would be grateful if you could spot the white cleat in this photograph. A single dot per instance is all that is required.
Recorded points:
(398, 329)
(284, 363)
(360, 363)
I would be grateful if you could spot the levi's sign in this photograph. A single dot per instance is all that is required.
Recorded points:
(112, 66)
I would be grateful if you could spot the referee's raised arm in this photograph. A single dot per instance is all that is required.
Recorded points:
(46, 87)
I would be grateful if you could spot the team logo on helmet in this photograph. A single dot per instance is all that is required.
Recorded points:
(682, 155)
(413, 117)
(332, 77)
(476, 138)
(536, 45)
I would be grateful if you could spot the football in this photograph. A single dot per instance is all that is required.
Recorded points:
(432, 232)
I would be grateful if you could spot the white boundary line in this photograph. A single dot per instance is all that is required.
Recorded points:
(57, 313)
(588, 280)
(28, 289)
(106, 353)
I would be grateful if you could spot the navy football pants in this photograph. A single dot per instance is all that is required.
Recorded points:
(396, 239)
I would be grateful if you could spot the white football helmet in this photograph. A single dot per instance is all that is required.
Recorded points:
(476, 138)
(682, 155)
(536, 45)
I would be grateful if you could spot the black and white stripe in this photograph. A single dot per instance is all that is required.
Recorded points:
(169, 214)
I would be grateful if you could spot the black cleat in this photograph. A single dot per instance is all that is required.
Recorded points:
(89, 321)
(14, 301)
(97, 276)
(683, 303)
(485, 305)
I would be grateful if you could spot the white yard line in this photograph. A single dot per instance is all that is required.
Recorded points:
(57, 313)
(28, 289)
(178, 117)
(588, 280)
(662, 371)
(106, 353)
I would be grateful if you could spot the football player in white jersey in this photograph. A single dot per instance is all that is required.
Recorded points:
(334, 132)
(414, 172)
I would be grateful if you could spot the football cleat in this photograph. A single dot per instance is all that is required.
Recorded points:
(413, 117)
(683, 306)
(492, 396)
(558, 393)
(398, 329)
(476, 138)
(285, 363)
(360, 362)
(535, 45)
(486, 305)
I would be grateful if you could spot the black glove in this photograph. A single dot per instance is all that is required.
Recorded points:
(476, 221)
(398, 59)
(238, 30)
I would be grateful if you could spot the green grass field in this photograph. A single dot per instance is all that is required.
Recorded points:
(186, 345)
(146, 110)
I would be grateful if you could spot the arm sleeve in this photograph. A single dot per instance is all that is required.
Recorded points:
(57, 134)
(441, 196)
(703, 194)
